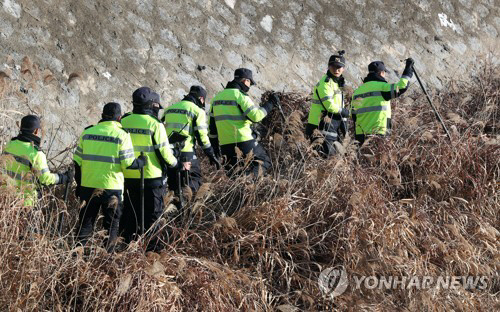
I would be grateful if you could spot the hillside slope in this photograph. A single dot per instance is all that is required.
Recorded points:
(88, 53)
(416, 205)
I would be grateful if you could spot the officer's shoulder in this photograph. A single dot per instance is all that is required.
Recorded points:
(122, 131)
(155, 118)
(240, 95)
(126, 115)
(197, 110)
(37, 151)
(322, 80)
(192, 106)
(243, 93)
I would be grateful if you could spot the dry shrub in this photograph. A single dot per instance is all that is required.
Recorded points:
(414, 204)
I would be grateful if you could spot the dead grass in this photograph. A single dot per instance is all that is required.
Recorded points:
(415, 204)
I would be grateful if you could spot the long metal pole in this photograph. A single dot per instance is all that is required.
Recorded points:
(66, 195)
(179, 189)
(438, 116)
(142, 198)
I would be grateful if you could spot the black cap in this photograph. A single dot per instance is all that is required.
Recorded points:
(244, 73)
(198, 91)
(377, 67)
(144, 96)
(337, 59)
(30, 123)
(111, 111)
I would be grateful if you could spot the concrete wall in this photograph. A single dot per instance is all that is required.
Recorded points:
(109, 48)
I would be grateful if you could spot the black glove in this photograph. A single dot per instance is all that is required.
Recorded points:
(344, 112)
(138, 163)
(409, 62)
(143, 160)
(274, 98)
(268, 106)
(341, 81)
(177, 150)
(64, 178)
(214, 161)
(180, 161)
(215, 145)
(178, 166)
(409, 68)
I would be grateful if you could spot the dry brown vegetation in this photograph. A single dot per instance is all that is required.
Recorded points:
(416, 204)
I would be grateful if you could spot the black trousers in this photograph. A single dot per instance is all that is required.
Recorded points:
(361, 138)
(110, 201)
(327, 148)
(194, 177)
(337, 130)
(131, 221)
(259, 154)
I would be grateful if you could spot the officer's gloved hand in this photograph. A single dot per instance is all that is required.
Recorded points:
(214, 161)
(409, 62)
(64, 177)
(142, 160)
(177, 150)
(409, 67)
(344, 112)
(341, 81)
(215, 145)
(182, 164)
(274, 98)
(271, 102)
(268, 106)
(71, 174)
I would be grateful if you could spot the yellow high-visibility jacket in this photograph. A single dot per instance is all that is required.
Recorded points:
(104, 152)
(233, 112)
(371, 106)
(189, 120)
(27, 167)
(144, 129)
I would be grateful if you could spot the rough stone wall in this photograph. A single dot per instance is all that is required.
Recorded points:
(83, 54)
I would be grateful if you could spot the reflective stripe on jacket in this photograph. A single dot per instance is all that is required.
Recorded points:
(103, 153)
(27, 166)
(143, 129)
(371, 106)
(189, 120)
(233, 112)
(331, 96)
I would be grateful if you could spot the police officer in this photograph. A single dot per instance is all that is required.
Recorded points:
(231, 114)
(371, 106)
(29, 164)
(149, 136)
(103, 153)
(188, 118)
(327, 113)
